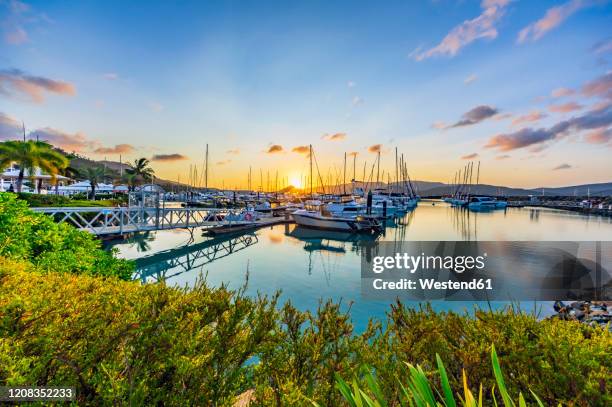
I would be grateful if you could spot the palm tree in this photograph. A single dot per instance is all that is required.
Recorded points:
(31, 155)
(130, 180)
(69, 172)
(141, 168)
(94, 175)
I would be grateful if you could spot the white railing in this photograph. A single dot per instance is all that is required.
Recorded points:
(120, 220)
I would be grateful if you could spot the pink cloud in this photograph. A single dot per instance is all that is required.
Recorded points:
(78, 142)
(562, 92)
(481, 27)
(334, 137)
(552, 18)
(469, 156)
(599, 136)
(117, 149)
(565, 107)
(16, 83)
(532, 116)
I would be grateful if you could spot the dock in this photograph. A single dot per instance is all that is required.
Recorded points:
(116, 221)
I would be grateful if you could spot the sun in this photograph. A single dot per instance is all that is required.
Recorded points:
(295, 181)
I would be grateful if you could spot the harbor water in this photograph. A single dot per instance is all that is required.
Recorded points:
(308, 265)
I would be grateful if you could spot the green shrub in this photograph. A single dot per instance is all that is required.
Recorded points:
(40, 200)
(121, 342)
(26, 235)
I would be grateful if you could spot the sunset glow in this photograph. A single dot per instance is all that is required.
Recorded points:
(259, 83)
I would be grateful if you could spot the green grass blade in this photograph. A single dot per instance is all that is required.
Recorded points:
(449, 399)
(499, 378)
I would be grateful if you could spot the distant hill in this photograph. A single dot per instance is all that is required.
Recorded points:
(603, 189)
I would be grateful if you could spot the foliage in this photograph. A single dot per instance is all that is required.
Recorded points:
(31, 155)
(419, 391)
(39, 200)
(125, 343)
(26, 235)
(141, 169)
(94, 175)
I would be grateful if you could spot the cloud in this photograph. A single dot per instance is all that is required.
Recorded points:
(16, 36)
(502, 116)
(562, 92)
(334, 137)
(565, 107)
(538, 138)
(476, 115)
(111, 76)
(502, 157)
(439, 125)
(601, 135)
(603, 47)
(470, 79)
(351, 84)
(168, 157)
(353, 154)
(563, 166)
(469, 156)
(16, 83)
(301, 149)
(275, 148)
(234, 151)
(376, 148)
(12, 24)
(532, 116)
(599, 87)
(224, 162)
(481, 27)
(356, 101)
(118, 149)
(10, 128)
(78, 142)
(553, 17)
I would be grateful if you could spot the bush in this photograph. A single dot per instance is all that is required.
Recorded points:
(34, 237)
(39, 200)
(125, 343)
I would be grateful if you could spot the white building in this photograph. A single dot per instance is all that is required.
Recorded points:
(9, 177)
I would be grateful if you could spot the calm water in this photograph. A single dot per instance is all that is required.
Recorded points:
(308, 265)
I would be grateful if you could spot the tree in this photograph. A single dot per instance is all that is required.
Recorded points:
(94, 175)
(141, 168)
(31, 155)
(69, 172)
(130, 180)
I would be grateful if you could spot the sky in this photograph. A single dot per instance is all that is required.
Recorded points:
(524, 87)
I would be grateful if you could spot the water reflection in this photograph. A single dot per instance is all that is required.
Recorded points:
(169, 263)
(309, 264)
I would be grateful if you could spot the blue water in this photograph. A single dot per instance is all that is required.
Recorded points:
(308, 265)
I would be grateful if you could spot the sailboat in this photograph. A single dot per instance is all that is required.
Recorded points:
(314, 215)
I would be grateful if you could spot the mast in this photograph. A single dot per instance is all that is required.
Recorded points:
(396, 174)
(344, 180)
(310, 156)
(378, 170)
(477, 176)
(206, 171)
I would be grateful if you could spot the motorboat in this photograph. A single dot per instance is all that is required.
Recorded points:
(314, 215)
(482, 203)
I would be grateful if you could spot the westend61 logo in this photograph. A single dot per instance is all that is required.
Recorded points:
(508, 271)
(405, 261)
